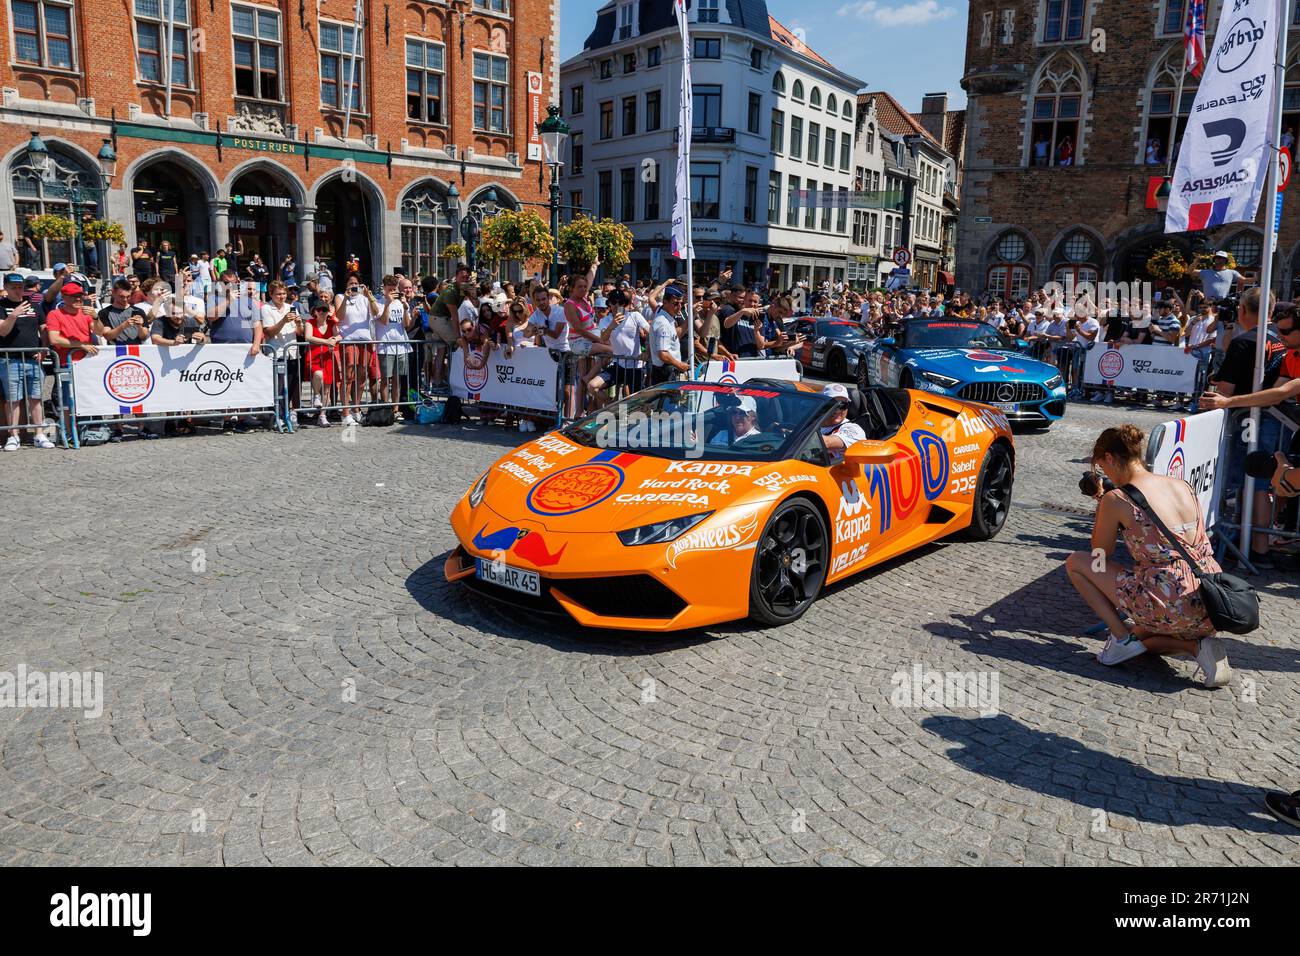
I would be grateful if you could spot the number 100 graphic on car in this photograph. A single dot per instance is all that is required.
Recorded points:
(664, 512)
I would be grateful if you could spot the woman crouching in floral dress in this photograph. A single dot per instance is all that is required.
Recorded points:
(1159, 595)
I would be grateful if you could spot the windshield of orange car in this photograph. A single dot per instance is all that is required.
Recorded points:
(702, 420)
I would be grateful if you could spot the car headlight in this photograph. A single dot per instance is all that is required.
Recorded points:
(661, 532)
(938, 379)
(1053, 382)
(476, 493)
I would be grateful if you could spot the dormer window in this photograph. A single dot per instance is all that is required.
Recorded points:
(626, 21)
(708, 12)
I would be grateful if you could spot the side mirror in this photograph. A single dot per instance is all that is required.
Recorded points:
(889, 341)
(863, 453)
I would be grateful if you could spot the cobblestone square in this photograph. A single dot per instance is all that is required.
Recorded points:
(289, 680)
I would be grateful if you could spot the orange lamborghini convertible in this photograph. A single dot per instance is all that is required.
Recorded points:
(693, 503)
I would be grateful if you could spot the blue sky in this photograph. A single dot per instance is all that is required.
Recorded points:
(904, 47)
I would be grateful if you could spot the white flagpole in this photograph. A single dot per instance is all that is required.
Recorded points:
(1266, 275)
(167, 54)
(690, 238)
(1178, 104)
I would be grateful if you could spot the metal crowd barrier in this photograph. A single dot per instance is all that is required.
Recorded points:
(352, 375)
(44, 359)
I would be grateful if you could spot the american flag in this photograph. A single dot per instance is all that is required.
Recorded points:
(1194, 38)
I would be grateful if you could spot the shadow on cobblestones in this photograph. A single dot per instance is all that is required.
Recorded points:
(1002, 748)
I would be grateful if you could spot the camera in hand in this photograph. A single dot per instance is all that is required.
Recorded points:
(1091, 484)
(1262, 464)
(1228, 309)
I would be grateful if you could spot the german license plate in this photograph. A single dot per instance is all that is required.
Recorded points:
(516, 579)
(1011, 407)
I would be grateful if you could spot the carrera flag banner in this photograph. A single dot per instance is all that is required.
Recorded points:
(1194, 38)
(1224, 155)
(682, 201)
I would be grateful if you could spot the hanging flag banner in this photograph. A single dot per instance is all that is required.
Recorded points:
(1194, 38)
(1224, 156)
(682, 202)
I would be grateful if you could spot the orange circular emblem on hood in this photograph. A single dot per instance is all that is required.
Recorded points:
(575, 489)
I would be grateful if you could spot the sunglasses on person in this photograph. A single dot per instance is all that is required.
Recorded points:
(1287, 330)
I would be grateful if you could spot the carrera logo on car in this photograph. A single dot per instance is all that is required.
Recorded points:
(722, 538)
(575, 489)
(518, 472)
(775, 481)
(707, 468)
(677, 498)
(965, 449)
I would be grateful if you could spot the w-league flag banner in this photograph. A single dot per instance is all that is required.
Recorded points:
(1224, 157)
(152, 380)
(682, 201)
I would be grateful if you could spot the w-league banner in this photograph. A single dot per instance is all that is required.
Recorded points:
(527, 378)
(1189, 449)
(153, 379)
(1158, 368)
(1225, 152)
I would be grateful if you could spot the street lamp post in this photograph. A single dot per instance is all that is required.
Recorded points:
(38, 157)
(470, 225)
(555, 133)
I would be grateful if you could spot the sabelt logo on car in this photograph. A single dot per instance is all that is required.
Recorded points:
(723, 537)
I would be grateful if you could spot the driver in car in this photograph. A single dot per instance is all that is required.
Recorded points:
(837, 432)
(744, 422)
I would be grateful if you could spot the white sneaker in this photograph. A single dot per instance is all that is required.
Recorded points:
(1117, 651)
(12, 443)
(1213, 659)
(293, 417)
(348, 420)
(40, 441)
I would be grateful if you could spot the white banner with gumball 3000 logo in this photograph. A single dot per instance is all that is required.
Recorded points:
(527, 378)
(1158, 368)
(153, 379)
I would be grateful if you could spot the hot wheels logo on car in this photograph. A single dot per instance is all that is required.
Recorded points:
(578, 488)
(129, 381)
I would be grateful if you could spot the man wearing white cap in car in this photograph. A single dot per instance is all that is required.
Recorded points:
(1218, 281)
(838, 433)
(744, 422)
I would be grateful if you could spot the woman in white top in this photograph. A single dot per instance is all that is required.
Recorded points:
(355, 308)
(522, 332)
(392, 330)
(1201, 334)
(625, 335)
(282, 325)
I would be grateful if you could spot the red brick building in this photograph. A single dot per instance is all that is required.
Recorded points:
(247, 140)
(1069, 121)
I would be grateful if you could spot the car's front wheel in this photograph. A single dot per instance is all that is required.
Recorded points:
(789, 563)
(992, 494)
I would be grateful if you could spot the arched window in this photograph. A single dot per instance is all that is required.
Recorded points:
(1010, 274)
(832, 104)
(1161, 134)
(34, 196)
(1057, 105)
(796, 91)
(778, 83)
(1246, 248)
(815, 98)
(1076, 260)
(847, 111)
(425, 229)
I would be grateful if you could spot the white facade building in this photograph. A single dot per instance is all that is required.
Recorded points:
(772, 120)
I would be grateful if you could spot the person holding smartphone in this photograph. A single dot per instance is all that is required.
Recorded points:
(21, 376)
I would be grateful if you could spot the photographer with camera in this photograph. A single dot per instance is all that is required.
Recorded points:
(1160, 594)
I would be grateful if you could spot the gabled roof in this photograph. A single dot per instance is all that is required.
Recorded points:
(892, 116)
(655, 15)
(782, 35)
(954, 132)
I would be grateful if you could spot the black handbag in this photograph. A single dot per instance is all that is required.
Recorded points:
(1230, 602)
